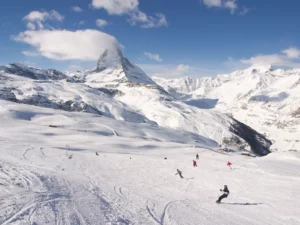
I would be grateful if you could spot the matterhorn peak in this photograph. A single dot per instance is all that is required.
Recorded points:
(111, 58)
(112, 66)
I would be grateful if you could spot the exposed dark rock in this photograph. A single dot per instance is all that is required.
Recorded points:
(111, 92)
(34, 73)
(7, 94)
(259, 144)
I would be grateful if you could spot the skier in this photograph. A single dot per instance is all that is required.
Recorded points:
(96, 153)
(229, 164)
(197, 156)
(224, 195)
(179, 172)
(194, 163)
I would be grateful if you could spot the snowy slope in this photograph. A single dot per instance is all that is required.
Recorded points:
(267, 100)
(118, 89)
(52, 175)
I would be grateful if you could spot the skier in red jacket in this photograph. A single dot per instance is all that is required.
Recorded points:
(229, 164)
(194, 163)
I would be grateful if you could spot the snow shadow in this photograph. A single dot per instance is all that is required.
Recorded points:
(265, 98)
(204, 103)
(243, 203)
(27, 115)
(71, 149)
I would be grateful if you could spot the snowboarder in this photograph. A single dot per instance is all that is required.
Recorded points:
(194, 163)
(179, 172)
(197, 156)
(224, 195)
(229, 164)
(96, 153)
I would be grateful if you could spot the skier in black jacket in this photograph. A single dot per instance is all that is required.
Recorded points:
(180, 173)
(224, 195)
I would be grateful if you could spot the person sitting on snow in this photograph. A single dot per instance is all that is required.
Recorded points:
(224, 195)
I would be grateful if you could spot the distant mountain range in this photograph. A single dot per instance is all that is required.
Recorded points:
(266, 99)
(120, 90)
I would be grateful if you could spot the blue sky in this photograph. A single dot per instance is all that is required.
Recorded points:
(169, 38)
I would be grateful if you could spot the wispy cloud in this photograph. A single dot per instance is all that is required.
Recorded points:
(231, 5)
(35, 19)
(293, 53)
(76, 9)
(244, 11)
(131, 9)
(287, 58)
(226, 4)
(152, 56)
(32, 54)
(212, 3)
(101, 23)
(167, 71)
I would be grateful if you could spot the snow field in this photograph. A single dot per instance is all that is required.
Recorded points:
(52, 175)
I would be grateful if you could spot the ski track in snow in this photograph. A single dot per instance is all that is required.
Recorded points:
(25, 153)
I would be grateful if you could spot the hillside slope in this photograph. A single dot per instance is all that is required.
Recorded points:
(268, 100)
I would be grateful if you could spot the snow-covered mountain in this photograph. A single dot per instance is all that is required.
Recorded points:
(266, 99)
(120, 90)
(103, 146)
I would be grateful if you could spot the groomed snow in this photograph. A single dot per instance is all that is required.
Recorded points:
(52, 175)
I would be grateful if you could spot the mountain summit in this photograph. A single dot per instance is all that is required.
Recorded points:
(113, 67)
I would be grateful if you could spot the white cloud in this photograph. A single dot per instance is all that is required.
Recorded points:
(212, 3)
(30, 26)
(292, 53)
(43, 16)
(153, 22)
(227, 4)
(36, 18)
(130, 8)
(116, 7)
(147, 21)
(231, 5)
(101, 23)
(182, 68)
(76, 9)
(152, 56)
(272, 59)
(68, 45)
(32, 54)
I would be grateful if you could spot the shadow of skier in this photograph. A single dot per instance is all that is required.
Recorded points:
(242, 203)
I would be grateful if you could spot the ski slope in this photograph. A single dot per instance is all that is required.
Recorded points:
(50, 174)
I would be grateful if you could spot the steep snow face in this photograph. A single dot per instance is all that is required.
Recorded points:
(259, 96)
(113, 68)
